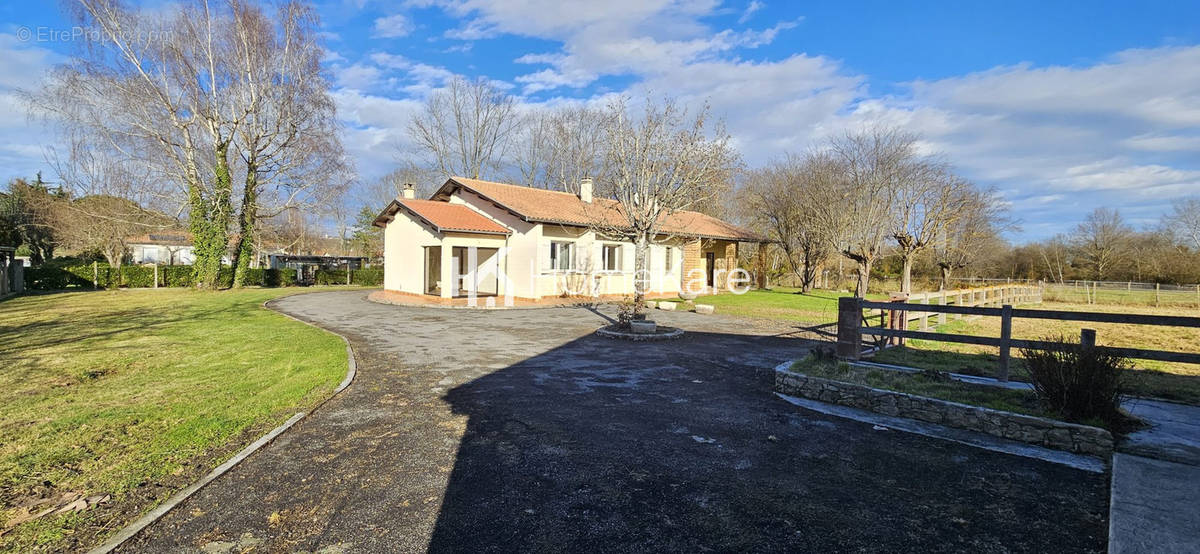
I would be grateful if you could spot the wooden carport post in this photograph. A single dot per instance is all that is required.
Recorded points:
(849, 337)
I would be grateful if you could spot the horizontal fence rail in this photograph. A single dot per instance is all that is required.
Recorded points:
(851, 329)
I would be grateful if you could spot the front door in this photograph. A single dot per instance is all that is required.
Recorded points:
(710, 262)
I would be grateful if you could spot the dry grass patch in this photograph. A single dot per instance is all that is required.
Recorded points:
(1172, 381)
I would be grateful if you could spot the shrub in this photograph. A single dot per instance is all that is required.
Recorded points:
(364, 277)
(330, 277)
(58, 276)
(1079, 383)
(367, 277)
(138, 276)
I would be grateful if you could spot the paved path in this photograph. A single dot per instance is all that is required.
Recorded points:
(1156, 481)
(519, 430)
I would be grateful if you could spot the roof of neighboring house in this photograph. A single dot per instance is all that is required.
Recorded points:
(162, 238)
(444, 216)
(549, 206)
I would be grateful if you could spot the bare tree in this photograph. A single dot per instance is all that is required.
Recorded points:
(377, 193)
(153, 85)
(1055, 254)
(876, 161)
(288, 140)
(105, 224)
(660, 162)
(465, 128)
(1102, 241)
(1184, 221)
(794, 200)
(964, 239)
(929, 200)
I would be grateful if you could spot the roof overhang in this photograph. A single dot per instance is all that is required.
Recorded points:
(395, 206)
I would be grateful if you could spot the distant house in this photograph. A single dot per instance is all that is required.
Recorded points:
(502, 239)
(163, 248)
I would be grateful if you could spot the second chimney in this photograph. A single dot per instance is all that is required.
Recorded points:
(585, 189)
(409, 192)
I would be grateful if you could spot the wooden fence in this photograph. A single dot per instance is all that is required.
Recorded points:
(851, 329)
(974, 297)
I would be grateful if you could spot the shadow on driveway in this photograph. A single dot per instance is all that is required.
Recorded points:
(517, 430)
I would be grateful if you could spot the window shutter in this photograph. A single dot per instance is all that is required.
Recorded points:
(548, 261)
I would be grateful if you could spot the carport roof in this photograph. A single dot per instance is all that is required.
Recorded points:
(444, 216)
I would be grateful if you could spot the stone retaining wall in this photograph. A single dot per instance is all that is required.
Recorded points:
(1081, 439)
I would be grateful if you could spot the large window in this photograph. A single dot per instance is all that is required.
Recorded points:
(610, 257)
(562, 256)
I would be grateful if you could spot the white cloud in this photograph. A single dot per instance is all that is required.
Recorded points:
(752, 7)
(393, 26)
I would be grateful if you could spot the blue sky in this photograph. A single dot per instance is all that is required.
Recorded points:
(1062, 106)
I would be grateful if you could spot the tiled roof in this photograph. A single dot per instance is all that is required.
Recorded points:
(445, 216)
(548, 206)
(165, 238)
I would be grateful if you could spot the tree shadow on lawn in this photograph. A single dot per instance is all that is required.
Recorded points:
(681, 446)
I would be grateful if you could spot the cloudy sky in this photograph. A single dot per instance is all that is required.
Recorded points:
(1062, 106)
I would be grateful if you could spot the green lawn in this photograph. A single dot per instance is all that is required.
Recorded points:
(818, 306)
(135, 394)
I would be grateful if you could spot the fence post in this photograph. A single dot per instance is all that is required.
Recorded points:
(925, 315)
(1005, 341)
(95, 275)
(156, 275)
(849, 337)
(1087, 338)
(1156, 286)
(942, 302)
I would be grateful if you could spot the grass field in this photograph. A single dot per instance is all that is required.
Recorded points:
(787, 304)
(114, 400)
(1173, 381)
(1124, 297)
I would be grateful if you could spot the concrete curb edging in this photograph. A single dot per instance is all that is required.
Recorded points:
(178, 498)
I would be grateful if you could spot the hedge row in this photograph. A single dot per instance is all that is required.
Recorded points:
(365, 277)
(49, 277)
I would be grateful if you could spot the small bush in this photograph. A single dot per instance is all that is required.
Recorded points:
(1078, 383)
(59, 277)
(363, 277)
(367, 277)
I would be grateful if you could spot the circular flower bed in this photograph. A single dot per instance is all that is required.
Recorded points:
(625, 333)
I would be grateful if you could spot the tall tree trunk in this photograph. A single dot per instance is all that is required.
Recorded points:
(945, 278)
(906, 259)
(809, 274)
(211, 229)
(864, 276)
(246, 227)
(640, 256)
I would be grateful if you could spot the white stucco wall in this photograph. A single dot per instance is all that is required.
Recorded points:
(527, 263)
(404, 240)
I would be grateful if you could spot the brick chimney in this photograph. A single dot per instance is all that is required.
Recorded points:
(409, 192)
(585, 189)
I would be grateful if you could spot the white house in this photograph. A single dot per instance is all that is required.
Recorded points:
(501, 239)
(165, 248)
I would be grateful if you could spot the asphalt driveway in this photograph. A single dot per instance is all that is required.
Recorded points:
(519, 430)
